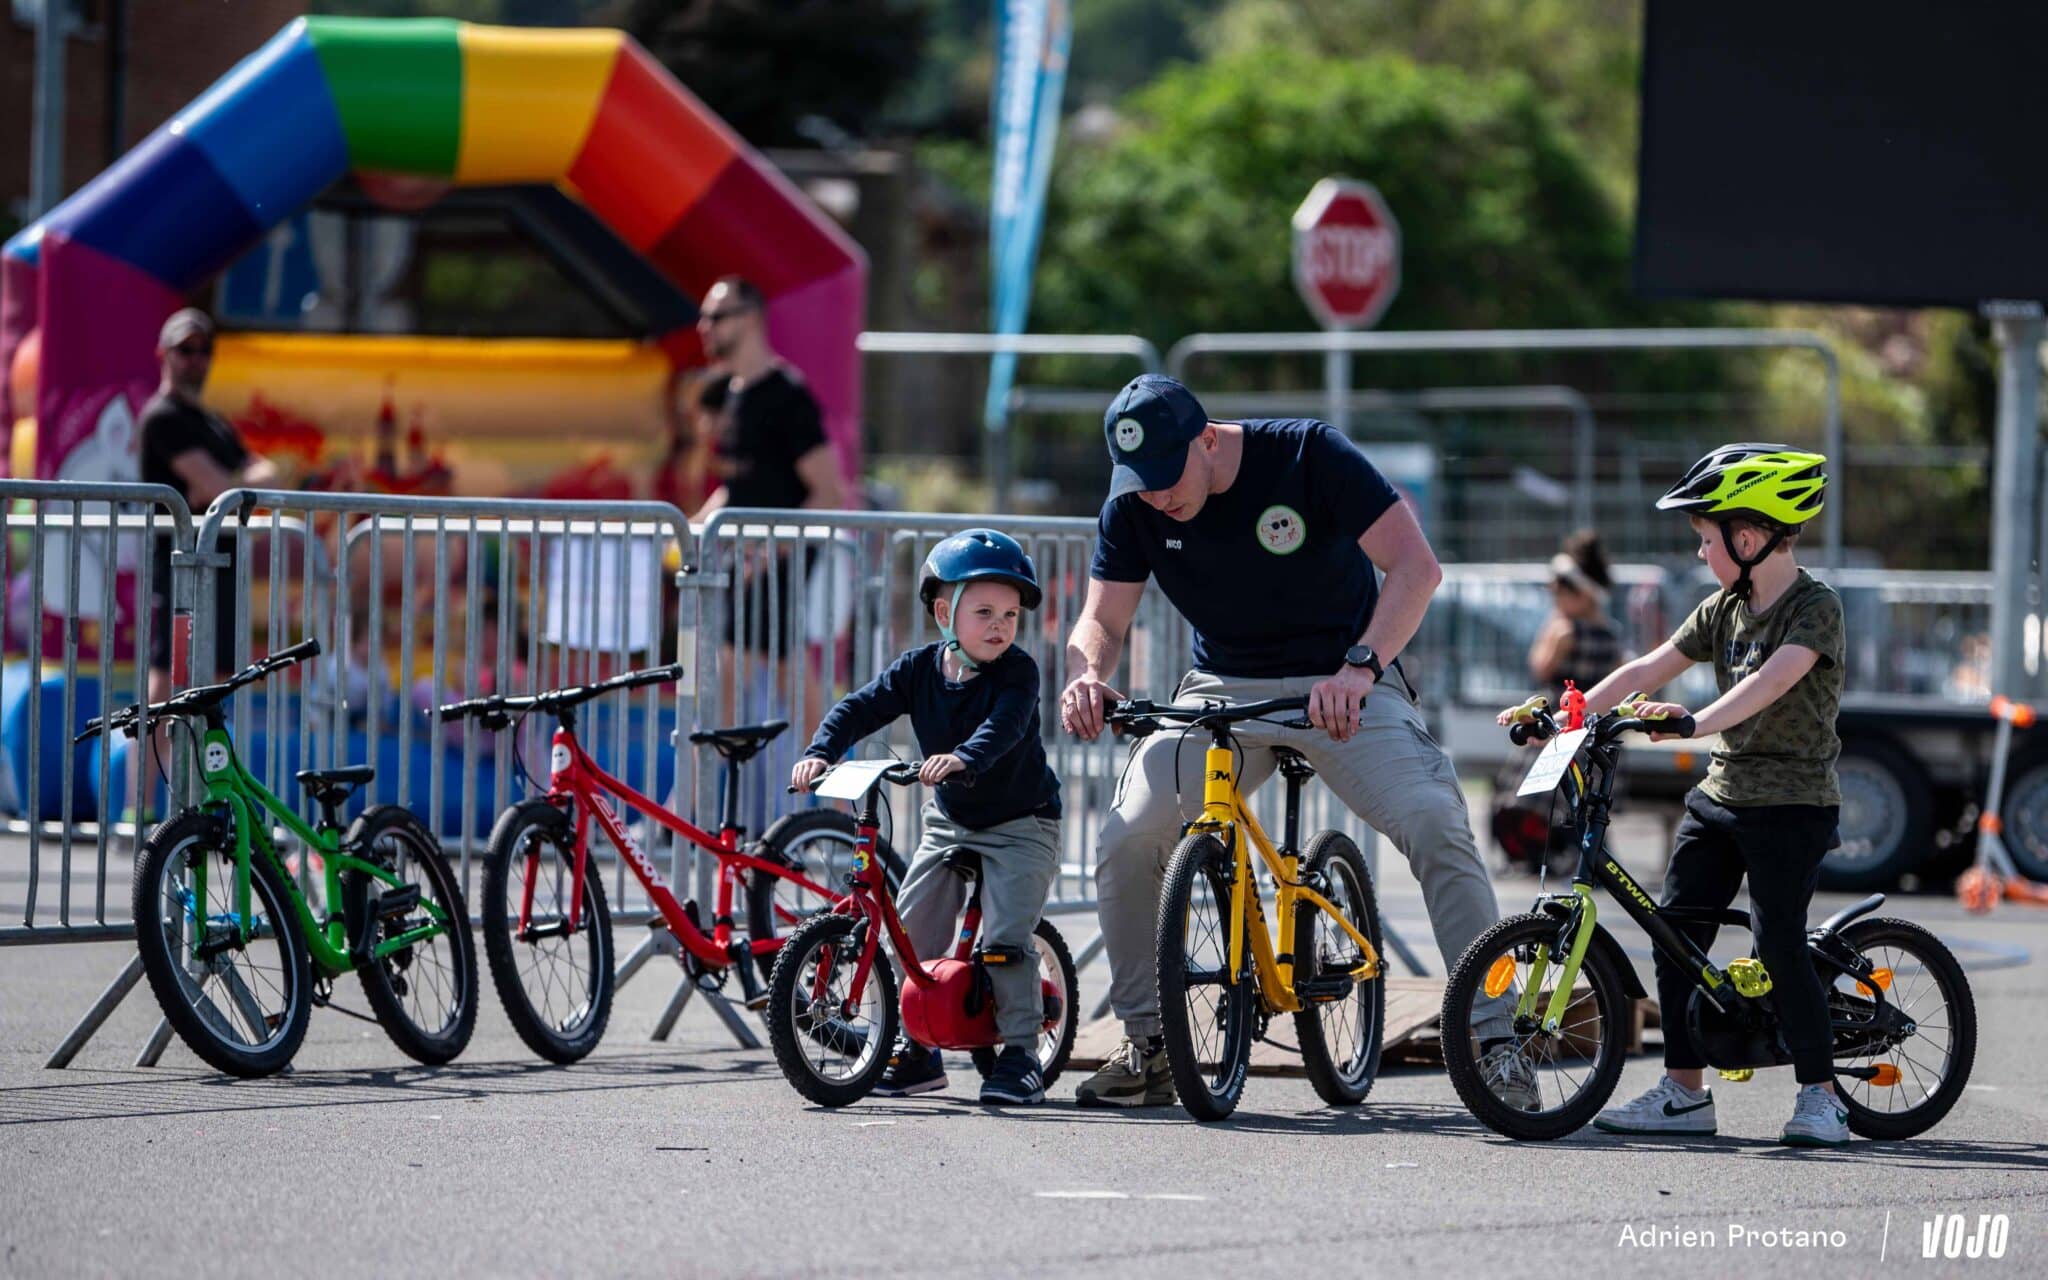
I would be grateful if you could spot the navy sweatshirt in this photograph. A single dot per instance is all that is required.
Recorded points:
(990, 722)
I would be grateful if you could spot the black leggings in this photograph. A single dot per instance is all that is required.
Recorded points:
(1780, 848)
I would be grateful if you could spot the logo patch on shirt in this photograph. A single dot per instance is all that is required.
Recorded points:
(1129, 434)
(1281, 530)
(1173, 544)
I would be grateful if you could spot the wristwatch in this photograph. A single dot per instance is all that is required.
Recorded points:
(1361, 655)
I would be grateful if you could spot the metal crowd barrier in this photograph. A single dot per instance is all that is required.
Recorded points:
(76, 635)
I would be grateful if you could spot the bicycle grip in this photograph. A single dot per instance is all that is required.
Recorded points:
(303, 649)
(1523, 732)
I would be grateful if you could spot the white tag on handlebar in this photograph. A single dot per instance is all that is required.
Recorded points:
(558, 758)
(850, 781)
(1551, 763)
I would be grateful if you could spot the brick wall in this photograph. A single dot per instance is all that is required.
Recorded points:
(176, 48)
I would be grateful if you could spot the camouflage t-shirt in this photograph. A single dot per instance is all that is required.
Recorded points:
(1784, 754)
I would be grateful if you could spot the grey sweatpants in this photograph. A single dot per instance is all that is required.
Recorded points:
(1019, 859)
(1392, 774)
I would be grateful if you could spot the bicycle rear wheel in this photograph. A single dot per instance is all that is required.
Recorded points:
(1917, 983)
(424, 993)
(1567, 1074)
(241, 1006)
(1055, 1042)
(1340, 1036)
(555, 981)
(1207, 1012)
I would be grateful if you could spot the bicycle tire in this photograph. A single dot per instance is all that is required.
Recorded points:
(1947, 975)
(1332, 855)
(1055, 1046)
(397, 985)
(783, 843)
(567, 1035)
(1200, 860)
(794, 1028)
(1461, 1052)
(205, 1023)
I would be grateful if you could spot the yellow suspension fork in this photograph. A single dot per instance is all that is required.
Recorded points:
(1582, 936)
(1219, 813)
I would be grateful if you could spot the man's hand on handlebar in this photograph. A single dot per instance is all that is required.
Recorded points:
(1334, 705)
(1082, 705)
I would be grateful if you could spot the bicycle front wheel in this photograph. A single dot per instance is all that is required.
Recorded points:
(1340, 1034)
(1206, 1010)
(241, 1005)
(817, 844)
(1913, 1027)
(423, 993)
(1518, 1079)
(831, 1048)
(554, 975)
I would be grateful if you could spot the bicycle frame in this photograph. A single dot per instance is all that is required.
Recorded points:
(231, 786)
(576, 779)
(868, 896)
(1224, 814)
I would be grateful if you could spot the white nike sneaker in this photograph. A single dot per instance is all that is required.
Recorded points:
(1818, 1120)
(1668, 1107)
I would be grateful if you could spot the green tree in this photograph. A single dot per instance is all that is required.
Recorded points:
(1179, 221)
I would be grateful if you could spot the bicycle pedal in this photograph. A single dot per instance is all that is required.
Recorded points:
(1741, 1075)
(1323, 990)
(398, 902)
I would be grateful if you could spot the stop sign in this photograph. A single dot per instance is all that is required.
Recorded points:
(1347, 253)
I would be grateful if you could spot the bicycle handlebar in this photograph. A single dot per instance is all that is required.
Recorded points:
(199, 698)
(1541, 726)
(1142, 716)
(558, 699)
(903, 773)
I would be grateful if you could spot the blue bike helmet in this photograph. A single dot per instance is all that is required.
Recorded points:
(973, 556)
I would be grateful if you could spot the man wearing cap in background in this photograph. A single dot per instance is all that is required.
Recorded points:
(1264, 534)
(194, 450)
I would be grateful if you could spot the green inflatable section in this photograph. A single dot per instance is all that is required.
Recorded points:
(398, 90)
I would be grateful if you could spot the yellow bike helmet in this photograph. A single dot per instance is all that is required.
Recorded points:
(1770, 485)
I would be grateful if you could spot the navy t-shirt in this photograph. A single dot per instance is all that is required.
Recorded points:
(990, 722)
(1269, 572)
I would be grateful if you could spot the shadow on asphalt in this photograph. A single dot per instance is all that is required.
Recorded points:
(1399, 1117)
(155, 1092)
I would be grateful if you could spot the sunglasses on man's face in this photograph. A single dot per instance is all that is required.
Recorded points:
(713, 317)
(191, 349)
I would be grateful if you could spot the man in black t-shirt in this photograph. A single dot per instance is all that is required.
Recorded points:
(192, 449)
(773, 454)
(1265, 535)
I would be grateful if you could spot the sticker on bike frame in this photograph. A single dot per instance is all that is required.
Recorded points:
(216, 757)
(1555, 758)
(558, 759)
(850, 781)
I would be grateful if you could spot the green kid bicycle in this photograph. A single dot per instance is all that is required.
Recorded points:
(231, 944)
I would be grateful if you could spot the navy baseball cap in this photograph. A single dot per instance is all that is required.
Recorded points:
(1149, 426)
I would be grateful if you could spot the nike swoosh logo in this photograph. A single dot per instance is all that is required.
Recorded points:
(1670, 1110)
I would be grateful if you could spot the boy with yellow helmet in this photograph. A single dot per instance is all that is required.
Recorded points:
(1768, 806)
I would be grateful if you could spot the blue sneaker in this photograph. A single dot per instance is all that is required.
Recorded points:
(1016, 1080)
(912, 1069)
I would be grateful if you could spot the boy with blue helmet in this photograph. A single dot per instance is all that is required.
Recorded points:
(972, 699)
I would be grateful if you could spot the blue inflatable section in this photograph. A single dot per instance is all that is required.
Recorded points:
(270, 128)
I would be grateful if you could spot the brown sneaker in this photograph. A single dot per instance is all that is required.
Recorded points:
(1131, 1078)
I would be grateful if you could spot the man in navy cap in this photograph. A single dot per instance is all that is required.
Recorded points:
(1265, 535)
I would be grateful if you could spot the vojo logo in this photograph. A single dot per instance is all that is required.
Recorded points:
(216, 757)
(1129, 435)
(1281, 530)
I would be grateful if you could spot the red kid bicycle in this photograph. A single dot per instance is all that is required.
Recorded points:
(546, 926)
(832, 1011)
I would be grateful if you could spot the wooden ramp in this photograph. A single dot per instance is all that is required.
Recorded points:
(1414, 1012)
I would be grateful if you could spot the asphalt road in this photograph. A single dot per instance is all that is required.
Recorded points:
(695, 1158)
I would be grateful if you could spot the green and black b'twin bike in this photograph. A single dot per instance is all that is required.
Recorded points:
(1905, 1024)
(238, 956)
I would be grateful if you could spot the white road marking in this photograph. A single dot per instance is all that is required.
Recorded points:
(1081, 1195)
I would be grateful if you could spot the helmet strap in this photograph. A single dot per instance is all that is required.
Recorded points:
(952, 636)
(1740, 589)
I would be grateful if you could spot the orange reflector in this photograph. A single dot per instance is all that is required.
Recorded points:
(1500, 975)
(1887, 1075)
(1990, 823)
(1883, 979)
(1682, 761)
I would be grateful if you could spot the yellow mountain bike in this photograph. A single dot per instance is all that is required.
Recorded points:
(1221, 978)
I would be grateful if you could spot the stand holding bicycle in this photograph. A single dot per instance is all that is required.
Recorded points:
(972, 699)
(230, 942)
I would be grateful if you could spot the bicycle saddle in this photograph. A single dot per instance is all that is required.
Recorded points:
(740, 742)
(332, 786)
